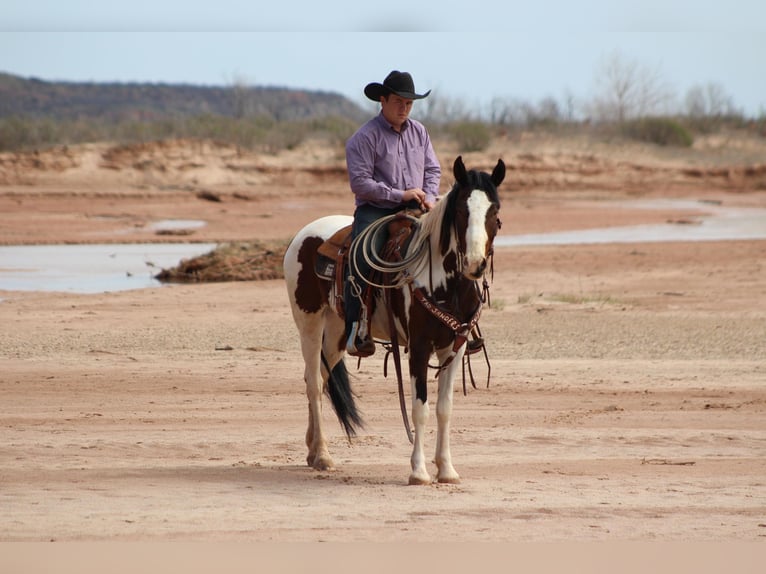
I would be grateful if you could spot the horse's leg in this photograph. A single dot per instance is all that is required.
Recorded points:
(311, 346)
(446, 472)
(419, 378)
(309, 302)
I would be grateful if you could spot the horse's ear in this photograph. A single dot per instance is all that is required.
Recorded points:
(458, 169)
(498, 174)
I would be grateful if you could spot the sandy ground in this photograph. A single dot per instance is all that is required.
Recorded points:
(627, 399)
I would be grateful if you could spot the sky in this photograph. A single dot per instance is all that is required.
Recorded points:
(472, 52)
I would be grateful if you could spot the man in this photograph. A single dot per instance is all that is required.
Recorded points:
(391, 166)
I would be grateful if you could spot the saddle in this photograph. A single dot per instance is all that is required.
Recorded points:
(333, 254)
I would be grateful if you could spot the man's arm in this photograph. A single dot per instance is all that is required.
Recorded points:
(432, 173)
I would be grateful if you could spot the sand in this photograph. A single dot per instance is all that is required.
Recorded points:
(627, 398)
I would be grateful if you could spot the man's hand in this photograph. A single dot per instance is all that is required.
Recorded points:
(417, 194)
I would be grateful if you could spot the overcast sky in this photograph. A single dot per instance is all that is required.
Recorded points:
(473, 52)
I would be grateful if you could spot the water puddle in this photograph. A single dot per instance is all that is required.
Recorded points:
(90, 268)
(717, 223)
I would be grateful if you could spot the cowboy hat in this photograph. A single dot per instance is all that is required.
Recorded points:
(399, 83)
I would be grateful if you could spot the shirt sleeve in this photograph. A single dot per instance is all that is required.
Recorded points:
(432, 172)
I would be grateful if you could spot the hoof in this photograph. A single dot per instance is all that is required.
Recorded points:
(320, 462)
(417, 480)
(449, 479)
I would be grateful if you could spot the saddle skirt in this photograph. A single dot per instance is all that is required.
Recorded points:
(331, 255)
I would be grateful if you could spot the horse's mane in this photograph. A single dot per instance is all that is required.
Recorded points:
(431, 222)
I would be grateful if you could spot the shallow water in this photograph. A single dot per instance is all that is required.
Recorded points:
(90, 268)
(120, 267)
(722, 224)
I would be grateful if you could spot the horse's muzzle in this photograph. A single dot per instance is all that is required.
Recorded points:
(475, 271)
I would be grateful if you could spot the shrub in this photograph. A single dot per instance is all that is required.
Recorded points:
(335, 129)
(14, 134)
(759, 125)
(660, 131)
(471, 135)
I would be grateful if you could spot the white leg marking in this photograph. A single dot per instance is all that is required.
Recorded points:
(446, 472)
(420, 413)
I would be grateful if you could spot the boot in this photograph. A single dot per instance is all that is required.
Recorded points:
(359, 345)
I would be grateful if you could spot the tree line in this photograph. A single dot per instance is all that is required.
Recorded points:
(631, 101)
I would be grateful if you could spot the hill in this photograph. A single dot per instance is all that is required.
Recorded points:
(115, 102)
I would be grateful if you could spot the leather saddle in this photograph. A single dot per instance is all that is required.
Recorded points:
(333, 253)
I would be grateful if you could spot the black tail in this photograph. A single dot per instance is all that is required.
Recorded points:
(342, 397)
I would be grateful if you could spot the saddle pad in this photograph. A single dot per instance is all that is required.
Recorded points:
(325, 267)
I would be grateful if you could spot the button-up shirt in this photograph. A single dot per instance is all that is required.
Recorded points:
(382, 163)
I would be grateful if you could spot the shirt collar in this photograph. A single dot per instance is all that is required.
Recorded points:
(384, 123)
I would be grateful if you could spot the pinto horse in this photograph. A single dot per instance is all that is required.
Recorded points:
(434, 302)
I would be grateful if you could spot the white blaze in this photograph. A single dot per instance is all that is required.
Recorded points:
(476, 235)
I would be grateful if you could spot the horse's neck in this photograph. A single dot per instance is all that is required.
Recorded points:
(430, 260)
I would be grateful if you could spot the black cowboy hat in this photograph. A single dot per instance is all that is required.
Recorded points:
(399, 83)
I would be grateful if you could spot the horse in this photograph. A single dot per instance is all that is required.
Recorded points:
(434, 302)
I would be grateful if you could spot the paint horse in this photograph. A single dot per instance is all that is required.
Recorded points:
(433, 302)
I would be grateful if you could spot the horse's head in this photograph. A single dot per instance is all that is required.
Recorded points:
(472, 212)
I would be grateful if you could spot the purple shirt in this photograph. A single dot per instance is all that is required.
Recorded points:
(383, 163)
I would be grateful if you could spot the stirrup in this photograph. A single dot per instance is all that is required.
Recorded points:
(474, 345)
(357, 346)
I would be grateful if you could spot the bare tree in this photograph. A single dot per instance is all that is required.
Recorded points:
(499, 112)
(548, 110)
(508, 111)
(570, 105)
(242, 97)
(438, 109)
(627, 90)
(709, 101)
